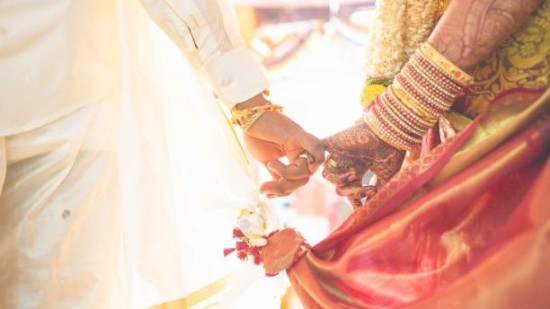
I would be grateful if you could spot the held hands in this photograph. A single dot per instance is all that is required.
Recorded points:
(353, 152)
(274, 136)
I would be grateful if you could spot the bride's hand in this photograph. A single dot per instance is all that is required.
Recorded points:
(347, 173)
(353, 152)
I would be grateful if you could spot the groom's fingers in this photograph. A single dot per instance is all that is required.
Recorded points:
(313, 152)
(316, 152)
(274, 175)
(282, 187)
(296, 170)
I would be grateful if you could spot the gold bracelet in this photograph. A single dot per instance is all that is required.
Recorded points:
(247, 117)
(252, 120)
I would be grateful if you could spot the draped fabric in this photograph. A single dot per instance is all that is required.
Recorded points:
(467, 224)
(184, 177)
(493, 211)
(128, 202)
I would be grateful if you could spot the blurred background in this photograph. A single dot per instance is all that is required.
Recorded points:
(314, 53)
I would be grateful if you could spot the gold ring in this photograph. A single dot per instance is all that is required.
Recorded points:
(307, 156)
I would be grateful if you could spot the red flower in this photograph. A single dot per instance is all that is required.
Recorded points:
(237, 233)
(242, 255)
(228, 251)
(243, 249)
(241, 245)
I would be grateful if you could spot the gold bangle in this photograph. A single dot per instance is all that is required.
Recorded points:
(402, 109)
(247, 117)
(402, 120)
(398, 131)
(412, 105)
(417, 68)
(393, 141)
(431, 98)
(445, 65)
(252, 120)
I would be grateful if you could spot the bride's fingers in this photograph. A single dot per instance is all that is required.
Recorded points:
(340, 179)
(282, 187)
(296, 170)
(357, 194)
(355, 202)
(351, 189)
(339, 174)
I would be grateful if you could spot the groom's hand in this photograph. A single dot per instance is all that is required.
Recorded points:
(268, 153)
(286, 178)
(274, 136)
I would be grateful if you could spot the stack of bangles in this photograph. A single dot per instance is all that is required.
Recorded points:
(424, 90)
(246, 118)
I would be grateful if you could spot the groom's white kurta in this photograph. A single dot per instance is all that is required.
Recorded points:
(119, 175)
(57, 56)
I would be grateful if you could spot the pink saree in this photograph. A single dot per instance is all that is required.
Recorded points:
(481, 236)
(465, 226)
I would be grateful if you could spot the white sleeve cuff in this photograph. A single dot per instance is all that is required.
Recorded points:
(236, 76)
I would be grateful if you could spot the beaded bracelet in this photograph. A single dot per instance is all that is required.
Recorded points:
(424, 90)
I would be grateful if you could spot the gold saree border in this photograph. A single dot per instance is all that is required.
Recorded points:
(492, 131)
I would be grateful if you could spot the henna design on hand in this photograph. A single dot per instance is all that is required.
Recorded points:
(357, 141)
(388, 165)
(353, 152)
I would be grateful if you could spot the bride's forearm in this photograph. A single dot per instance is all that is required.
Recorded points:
(471, 29)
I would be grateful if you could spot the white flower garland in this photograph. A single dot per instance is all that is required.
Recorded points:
(400, 26)
(421, 17)
(385, 51)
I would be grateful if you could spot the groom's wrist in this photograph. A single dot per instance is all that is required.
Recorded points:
(246, 114)
(275, 127)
